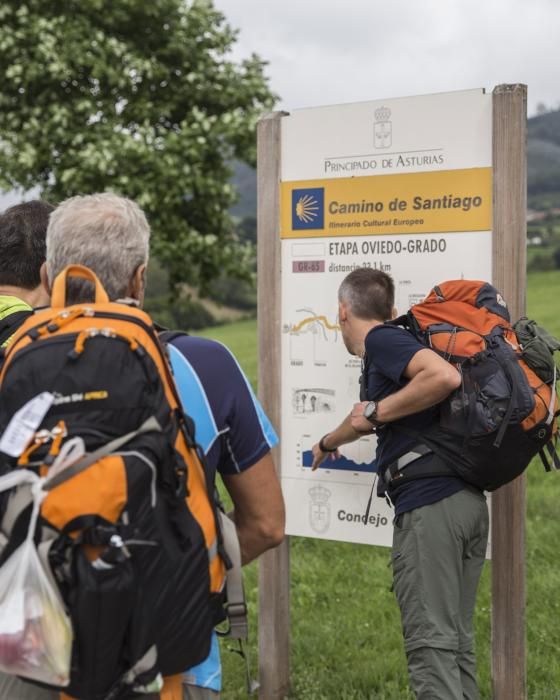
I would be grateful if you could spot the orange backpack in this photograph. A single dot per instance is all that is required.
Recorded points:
(129, 524)
(503, 413)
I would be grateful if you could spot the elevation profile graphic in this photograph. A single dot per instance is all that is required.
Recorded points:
(356, 457)
(343, 463)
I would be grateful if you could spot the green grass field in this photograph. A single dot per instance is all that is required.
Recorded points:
(346, 642)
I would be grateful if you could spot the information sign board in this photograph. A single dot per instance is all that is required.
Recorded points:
(401, 185)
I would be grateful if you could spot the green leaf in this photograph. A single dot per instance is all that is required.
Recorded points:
(140, 98)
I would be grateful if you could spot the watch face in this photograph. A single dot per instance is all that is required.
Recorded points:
(370, 409)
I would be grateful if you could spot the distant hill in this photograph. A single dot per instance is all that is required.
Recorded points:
(543, 161)
(543, 169)
(546, 127)
(245, 181)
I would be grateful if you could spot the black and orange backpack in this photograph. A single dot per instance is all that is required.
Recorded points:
(504, 413)
(129, 529)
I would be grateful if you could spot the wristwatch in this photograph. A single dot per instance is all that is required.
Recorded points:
(370, 412)
(324, 448)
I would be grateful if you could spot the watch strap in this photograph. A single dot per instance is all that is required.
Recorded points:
(372, 418)
(324, 448)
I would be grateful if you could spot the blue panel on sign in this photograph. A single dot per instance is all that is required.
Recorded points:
(308, 208)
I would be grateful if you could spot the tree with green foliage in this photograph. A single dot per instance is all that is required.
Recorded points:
(142, 98)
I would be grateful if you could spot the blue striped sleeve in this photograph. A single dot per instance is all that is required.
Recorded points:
(237, 414)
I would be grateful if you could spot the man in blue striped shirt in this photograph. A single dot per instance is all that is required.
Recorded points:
(236, 437)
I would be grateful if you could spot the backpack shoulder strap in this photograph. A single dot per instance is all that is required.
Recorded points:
(554, 462)
(167, 336)
(403, 321)
(236, 606)
(363, 378)
(408, 323)
(10, 324)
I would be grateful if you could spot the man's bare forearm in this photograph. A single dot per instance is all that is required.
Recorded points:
(258, 511)
(431, 379)
(426, 389)
(341, 435)
(328, 446)
(252, 543)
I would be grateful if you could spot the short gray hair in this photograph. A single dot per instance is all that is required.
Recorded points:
(105, 232)
(369, 294)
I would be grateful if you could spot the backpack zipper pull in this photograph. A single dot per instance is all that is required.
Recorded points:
(118, 542)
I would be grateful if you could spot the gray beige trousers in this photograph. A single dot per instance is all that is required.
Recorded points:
(438, 554)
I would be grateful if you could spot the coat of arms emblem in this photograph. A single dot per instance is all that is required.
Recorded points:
(383, 128)
(319, 509)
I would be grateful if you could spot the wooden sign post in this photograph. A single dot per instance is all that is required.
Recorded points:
(509, 261)
(303, 198)
(274, 566)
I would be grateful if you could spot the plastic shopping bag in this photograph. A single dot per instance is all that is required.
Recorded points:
(35, 631)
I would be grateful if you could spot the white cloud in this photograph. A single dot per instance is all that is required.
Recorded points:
(321, 52)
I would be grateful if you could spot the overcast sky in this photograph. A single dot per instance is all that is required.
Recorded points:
(327, 52)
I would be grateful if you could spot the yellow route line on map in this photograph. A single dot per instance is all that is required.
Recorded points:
(323, 319)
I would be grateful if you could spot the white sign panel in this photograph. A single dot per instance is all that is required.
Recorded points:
(401, 185)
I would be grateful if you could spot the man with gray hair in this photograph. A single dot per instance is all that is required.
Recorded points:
(441, 523)
(110, 235)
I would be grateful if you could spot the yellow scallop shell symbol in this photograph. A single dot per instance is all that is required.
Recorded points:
(307, 208)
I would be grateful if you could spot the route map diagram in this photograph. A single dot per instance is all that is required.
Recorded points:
(309, 338)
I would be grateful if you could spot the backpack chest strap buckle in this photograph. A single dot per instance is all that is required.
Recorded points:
(392, 472)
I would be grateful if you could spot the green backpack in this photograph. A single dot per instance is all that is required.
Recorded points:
(538, 348)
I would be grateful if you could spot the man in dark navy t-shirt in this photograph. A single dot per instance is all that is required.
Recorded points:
(441, 523)
(391, 350)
